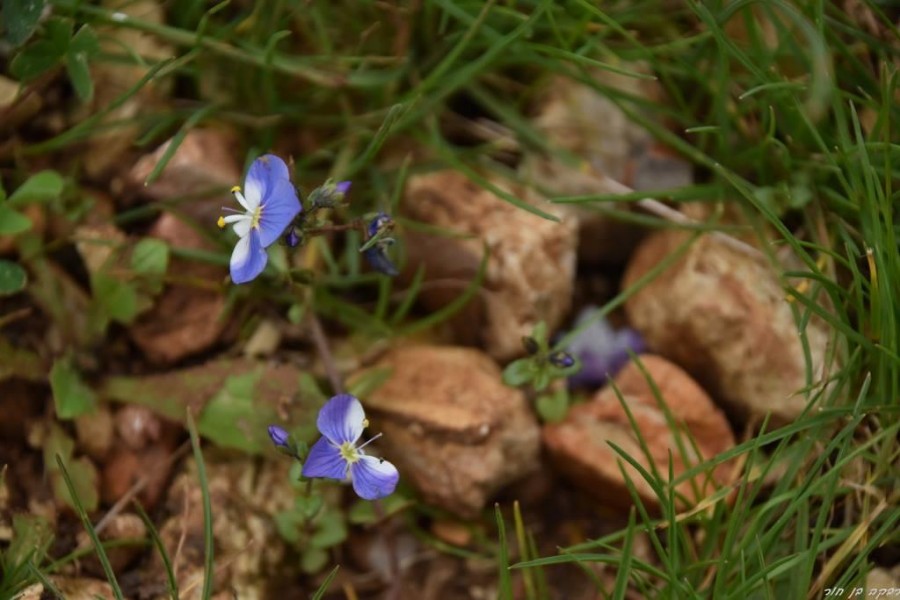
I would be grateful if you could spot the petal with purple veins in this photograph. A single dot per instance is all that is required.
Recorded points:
(264, 173)
(279, 208)
(373, 477)
(325, 460)
(341, 419)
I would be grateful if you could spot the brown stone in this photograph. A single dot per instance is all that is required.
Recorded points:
(127, 468)
(579, 445)
(124, 527)
(95, 432)
(453, 429)
(530, 269)
(723, 316)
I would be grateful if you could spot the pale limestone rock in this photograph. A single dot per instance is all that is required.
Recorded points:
(579, 445)
(616, 154)
(451, 427)
(723, 316)
(531, 263)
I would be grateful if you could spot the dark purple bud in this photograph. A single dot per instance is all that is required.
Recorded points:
(379, 224)
(562, 360)
(342, 187)
(291, 238)
(378, 260)
(279, 436)
(531, 346)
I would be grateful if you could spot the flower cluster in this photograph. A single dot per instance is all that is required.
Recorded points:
(336, 454)
(271, 209)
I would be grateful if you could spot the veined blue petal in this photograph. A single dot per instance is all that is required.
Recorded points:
(373, 477)
(341, 419)
(248, 259)
(280, 206)
(325, 460)
(264, 173)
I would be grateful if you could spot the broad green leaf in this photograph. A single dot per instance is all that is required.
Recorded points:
(519, 372)
(330, 530)
(553, 407)
(71, 396)
(117, 299)
(313, 560)
(232, 420)
(20, 18)
(40, 187)
(12, 278)
(150, 257)
(84, 479)
(12, 221)
(35, 60)
(82, 47)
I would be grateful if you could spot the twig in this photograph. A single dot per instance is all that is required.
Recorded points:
(321, 342)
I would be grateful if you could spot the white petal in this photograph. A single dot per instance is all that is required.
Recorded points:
(242, 227)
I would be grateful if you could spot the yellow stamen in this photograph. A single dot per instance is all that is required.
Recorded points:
(365, 423)
(235, 189)
(221, 222)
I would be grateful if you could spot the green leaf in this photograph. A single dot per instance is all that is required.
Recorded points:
(35, 60)
(84, 479)
(83, 46)
(232, 420)
(313, 560)
(40, 187)
(542, 378)
(287, 524)
(117, 299)
(12, 278)
(12, 221)
(519, 372)
(71, 396)
(330, 531)
(150, 257)
(553, 407)
(309, 506)
(21, 17)
(81, 471)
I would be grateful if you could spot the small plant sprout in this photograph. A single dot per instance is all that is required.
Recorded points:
(270, 204)
(336, 456)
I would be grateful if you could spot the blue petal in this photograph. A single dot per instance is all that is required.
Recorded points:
(279, 207)
(341, 419)
(373, 477)
(378, 260)
(325, 460)
(264, 173)
(248, 259)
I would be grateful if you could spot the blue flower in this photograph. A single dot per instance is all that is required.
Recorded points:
(336, 456)
(270, 203)
(375, 248)
(601, 349)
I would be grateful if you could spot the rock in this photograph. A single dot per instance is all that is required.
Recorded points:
(82, 588)
(579, 445)
(203, 166)
(249, 550)
(107, 146)
(138, 426)
(722, 315)
(95, 432)
(124, 527)
(617, 155)
(187, 318)
(451, 427)
(530, 269)
(127, 468)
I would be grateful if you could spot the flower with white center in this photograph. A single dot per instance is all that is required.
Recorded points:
(270, 204)
(336, 456)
